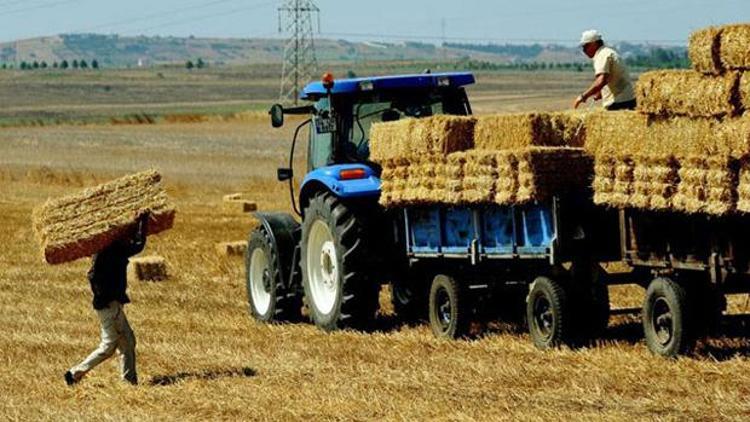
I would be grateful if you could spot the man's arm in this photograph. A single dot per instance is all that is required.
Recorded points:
(138, 242)
(594, 90)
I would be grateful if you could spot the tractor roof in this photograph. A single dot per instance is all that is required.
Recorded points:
(315, 90)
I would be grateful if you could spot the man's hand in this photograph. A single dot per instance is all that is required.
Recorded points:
(598, 96)
(578, 101)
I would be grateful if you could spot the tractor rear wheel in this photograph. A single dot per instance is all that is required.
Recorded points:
(268, 299)
(336, 273)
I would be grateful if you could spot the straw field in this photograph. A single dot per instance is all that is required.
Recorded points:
(201, 358)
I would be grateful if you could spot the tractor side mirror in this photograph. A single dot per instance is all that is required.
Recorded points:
(284, 174)
(277, 115)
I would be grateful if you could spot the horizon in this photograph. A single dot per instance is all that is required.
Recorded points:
(664, 22)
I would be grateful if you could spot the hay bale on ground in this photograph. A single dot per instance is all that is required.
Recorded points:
(684, 92)
(232, 249)
(83, 224)
(148, 268)
(707, 185)
(520, 130)
(627, 132)
(240, 205)
(232, 197)
(735, 46)
(704, 50)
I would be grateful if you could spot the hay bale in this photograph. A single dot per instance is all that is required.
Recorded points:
(547, 171)
(743, 187)
(655, 181)
(683, 92)
(744, 91)
(704, 50)
(519, 130)
(232, 197)
(148, 268)
(480, 174)
(436, 135)
(628, 132)
(735, 46)
(232, 249)
(707, 185)
(614, 178)
(83, 224)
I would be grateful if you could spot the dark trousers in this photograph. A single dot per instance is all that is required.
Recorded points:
(625, 105)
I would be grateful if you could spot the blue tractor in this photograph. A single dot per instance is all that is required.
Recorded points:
(445, 264)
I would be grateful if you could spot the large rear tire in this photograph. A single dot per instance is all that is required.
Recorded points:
(336, 273)
(667, 322)
(268, 299)
(548, 314)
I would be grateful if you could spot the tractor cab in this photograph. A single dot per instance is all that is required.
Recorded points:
(341, 114)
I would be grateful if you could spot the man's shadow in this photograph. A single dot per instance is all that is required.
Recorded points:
(210, 374)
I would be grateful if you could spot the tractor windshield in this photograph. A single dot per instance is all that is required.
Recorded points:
(386, 107)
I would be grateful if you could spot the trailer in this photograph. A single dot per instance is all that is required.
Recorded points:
(449, 264)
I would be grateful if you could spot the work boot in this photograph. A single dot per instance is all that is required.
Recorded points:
(69, 379)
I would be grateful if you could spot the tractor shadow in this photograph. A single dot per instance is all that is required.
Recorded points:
(209, 375)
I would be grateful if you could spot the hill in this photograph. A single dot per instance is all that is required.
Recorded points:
(121, 51)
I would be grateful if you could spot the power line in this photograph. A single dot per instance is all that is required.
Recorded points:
(408, 37)
(300, 62)
(38, 6)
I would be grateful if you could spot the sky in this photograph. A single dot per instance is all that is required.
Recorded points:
(498, 21)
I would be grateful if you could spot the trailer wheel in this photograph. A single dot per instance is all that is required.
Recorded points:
(268, 299)
(666, 319)
(449, 310)
(547, 313)
(336, 275)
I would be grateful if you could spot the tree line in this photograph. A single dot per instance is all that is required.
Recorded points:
(64, 64)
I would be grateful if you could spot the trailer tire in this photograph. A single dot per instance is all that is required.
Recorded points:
(547, 314)
(667, 323)
(268, 299)
(337, 277)
(449, 308)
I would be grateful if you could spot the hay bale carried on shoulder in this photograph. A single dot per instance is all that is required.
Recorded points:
(684, 92)
(148, 268)
(83, 224)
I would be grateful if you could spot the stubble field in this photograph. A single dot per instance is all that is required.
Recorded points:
(201, 357)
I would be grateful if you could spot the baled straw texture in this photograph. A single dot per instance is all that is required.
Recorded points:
(745, 91)
(520, 130)
(148, 268)
(704, 50)
(480, 174)
(629, 133)
(735, 47)
(614, 180)
(547, 171)
(707, 185)
(743, 188)
(437, 135)
(81, 225)
(655, 181)
(683, 92)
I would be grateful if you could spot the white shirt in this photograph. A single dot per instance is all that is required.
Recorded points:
(619, 88)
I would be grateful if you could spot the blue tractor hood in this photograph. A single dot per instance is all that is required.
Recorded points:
(315, 90)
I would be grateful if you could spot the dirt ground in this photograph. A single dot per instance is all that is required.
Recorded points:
(201, 357)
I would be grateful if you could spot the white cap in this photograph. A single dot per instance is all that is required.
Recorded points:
(592, 35)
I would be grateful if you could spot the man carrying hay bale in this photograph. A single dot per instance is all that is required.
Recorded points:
(108, 278)
(612, 84)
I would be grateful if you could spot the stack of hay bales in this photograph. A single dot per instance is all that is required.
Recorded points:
(81, 225)
(503, 159)
(682, 149)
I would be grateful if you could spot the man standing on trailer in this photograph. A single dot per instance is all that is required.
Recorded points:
(108, 278)
(612, 84)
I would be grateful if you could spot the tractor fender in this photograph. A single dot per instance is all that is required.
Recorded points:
(285, 234)
(330, 179)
